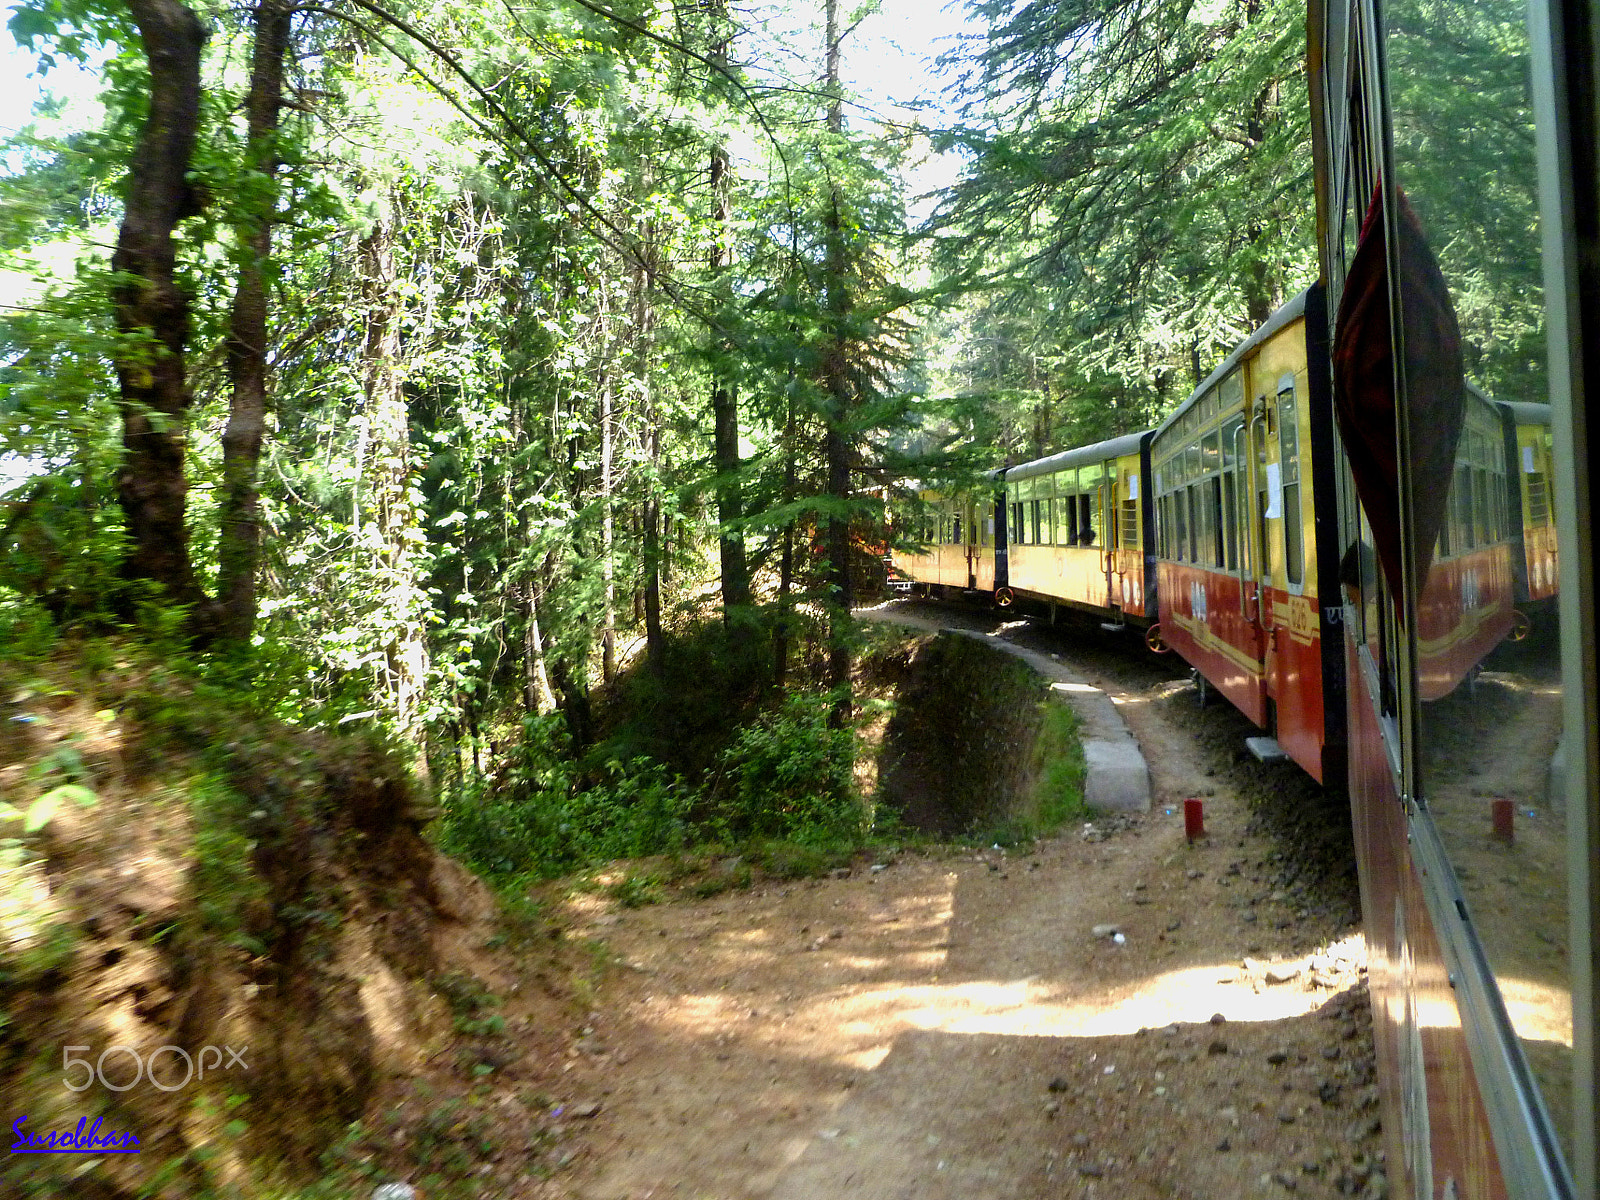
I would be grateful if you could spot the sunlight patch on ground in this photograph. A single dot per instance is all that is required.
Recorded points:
(854, 1025)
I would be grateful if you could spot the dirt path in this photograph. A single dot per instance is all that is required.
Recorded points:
(953, 1026)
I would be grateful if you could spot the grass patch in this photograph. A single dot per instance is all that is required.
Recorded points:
(1058, 769)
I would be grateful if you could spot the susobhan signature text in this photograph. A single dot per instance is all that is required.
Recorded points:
(75, 1141)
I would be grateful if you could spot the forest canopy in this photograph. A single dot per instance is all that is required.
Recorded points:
(483, 373)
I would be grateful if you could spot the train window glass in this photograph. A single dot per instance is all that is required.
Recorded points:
(1130, 524)
(1288, 434)
(1480, 506)
(1538, 500)
(1191, 464)
(1086, 520)
(1230, 519)
(1211, 493)
(1180, 526)
(955, 531)
(1231, 392)
(1293, 536)
(1289, 460)
(1062, 521)
(1018, 534)
(1210, 453)
(1460, 96)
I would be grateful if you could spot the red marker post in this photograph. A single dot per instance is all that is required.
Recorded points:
(1194, 825)
(1503, 814)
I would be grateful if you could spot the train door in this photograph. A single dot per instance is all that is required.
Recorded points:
(1245, 550)
(1105, 518)
(974, 551)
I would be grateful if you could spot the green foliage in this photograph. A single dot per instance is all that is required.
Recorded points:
(790, 776)
(1058, 768)
(1144, 170)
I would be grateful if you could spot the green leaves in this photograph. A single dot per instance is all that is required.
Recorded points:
(1145, 175)
(40, 812)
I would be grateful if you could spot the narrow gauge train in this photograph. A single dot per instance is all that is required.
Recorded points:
(1234, 529)
(1456, 156)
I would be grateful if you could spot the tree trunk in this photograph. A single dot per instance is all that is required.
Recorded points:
(780, 630)
(390, 545)
(724, 396)
(537, 696)
(149, 304)
(654, 639)
(608, 568)
(836, 377)
(240, 541)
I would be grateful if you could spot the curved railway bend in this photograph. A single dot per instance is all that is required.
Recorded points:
(953, 1027)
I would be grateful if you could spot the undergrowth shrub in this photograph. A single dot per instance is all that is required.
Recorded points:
(784, 777)
(537, 819)
(788, 775)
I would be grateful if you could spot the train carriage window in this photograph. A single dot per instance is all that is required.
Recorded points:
(1538, 500)
(1191, 548)
(1461, 503)
(1060, 520)
(1210, 453)
(1480, 506)
(1211, 494)
(1130, 524)
(955, 530)
(1232, 391)
(1180, 526)
(1019, 532)
(1289, 457)
(1231, 443)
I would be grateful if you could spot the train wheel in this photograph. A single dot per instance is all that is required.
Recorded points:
(1152, 638)
(1521, 626)
(1004, 597)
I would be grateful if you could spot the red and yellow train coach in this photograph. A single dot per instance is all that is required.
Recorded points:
(1243, 493)
(1466, 607)
(1076, 527)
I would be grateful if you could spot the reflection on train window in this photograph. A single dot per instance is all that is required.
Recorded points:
(1491, 710)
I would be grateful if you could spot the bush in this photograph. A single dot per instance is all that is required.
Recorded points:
(535, 819)
(788, 776)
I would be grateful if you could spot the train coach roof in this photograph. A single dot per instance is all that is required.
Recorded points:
(1522, 412)
(1293, 309)
(1115, 447)
(1525, 413)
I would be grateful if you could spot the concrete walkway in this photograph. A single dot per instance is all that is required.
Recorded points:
(1118, 778)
